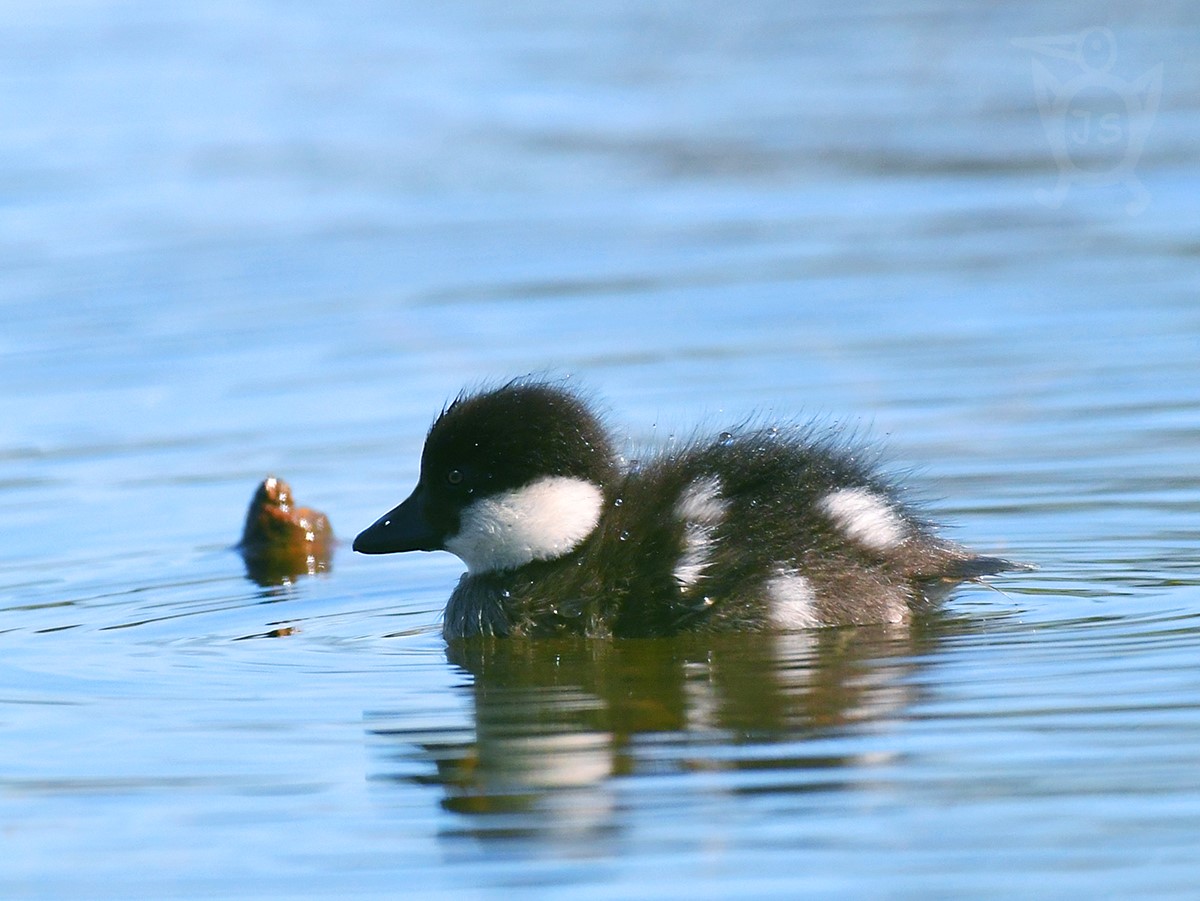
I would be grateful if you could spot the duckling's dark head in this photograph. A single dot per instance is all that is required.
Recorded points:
(508, 476)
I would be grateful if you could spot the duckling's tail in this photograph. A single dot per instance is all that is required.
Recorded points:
(967, 569)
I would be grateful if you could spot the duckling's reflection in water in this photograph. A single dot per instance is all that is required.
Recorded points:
(555, 720)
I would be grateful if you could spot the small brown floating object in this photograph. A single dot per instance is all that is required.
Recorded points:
(281, 540)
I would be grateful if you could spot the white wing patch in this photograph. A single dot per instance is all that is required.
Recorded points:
(793, 602)
(543, 520)
(865, 517)
(700, 508)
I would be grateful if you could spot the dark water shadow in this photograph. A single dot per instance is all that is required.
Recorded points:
(559, 728)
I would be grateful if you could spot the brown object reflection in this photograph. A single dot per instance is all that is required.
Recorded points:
(280, 540)
(555, 719)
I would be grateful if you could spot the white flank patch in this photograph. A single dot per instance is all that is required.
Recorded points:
(543, 520)
(701, 509)
(865, 517)
(793, 602)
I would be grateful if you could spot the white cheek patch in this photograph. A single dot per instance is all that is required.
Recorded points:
(701, 509)
(543, 520)
(793, 602)
(865, 517)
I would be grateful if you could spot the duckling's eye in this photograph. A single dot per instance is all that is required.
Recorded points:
(454, 477)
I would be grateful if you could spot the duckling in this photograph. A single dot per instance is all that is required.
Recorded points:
(281, 540)
(760, 528)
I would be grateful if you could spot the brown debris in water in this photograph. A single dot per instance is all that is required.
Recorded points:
(281, 540)
(281, 632)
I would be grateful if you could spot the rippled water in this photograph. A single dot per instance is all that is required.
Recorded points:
(240, 239)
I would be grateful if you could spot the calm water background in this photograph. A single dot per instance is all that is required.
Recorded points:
(242, 238)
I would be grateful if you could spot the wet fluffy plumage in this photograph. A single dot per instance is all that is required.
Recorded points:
(759, 528)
